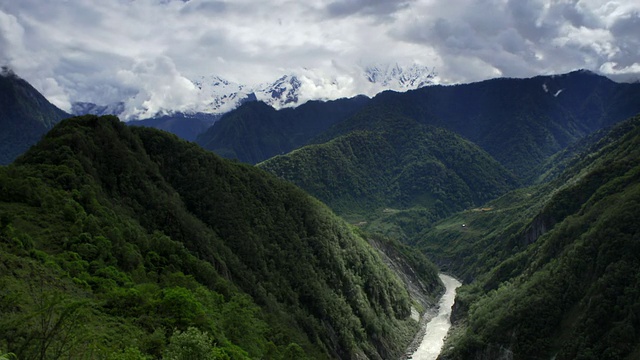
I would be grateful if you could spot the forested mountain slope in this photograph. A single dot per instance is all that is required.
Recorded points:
(520, 122)
(122, 242)
(255, 131)
(397, 169)
(25, 115)
(555, 265)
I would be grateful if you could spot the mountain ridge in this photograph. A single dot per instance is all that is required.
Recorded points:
(25, 116)
(394, 171)
(216, 95)
(274, 131)
(163, 238)
(571, 250)
(520, 122)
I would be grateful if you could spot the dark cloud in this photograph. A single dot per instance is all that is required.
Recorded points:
(377, 8)
(627, 31)
(205, 7)
(94, 51)
(526, 17)
(522, 38)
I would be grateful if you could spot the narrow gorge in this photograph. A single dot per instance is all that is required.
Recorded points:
(437, 328)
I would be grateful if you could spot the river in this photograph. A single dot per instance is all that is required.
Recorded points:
(437, 328)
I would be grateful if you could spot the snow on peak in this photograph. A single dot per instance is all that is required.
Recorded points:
(281, 93)
(395, 77)
(216, 95)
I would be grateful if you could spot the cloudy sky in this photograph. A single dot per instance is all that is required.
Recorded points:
(102, 51)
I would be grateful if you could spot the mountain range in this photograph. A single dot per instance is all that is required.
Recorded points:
(216, 95)
(525, 189)
(395, 170)
(126, 240)
(551, 269)
(519, 122)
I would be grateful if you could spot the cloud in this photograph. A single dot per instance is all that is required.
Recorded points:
(378, 8)
(523, 38)
(83, 50)
(55, 93)
(11, 37)
(161, 87)
(205, 7)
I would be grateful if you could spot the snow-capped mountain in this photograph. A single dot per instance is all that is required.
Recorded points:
(82, 108)
(282, 93)
(395, 77)
(220, 95)
(216, 95)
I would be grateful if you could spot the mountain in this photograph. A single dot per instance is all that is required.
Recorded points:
(520, 122)
(555, 265)
(395, 77)
(396, 170)
(87, 108)
(217, 95)
(185, 126)
(128, 242)
(282, 93)
(221, 95)
(25, 115)
(256, 131)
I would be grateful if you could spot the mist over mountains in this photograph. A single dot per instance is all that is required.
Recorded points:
(526, 189)
(520, 122)
(216, 95)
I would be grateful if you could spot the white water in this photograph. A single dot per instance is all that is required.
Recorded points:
(438, 327)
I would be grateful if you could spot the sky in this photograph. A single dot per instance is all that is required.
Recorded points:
(104, 51)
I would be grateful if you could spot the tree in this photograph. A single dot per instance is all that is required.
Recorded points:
(191, 344)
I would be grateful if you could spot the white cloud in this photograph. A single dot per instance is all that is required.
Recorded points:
(102, 51)
(161, 87)
(523, 38)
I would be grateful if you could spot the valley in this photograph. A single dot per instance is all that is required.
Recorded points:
(323, 231)
(431, 339)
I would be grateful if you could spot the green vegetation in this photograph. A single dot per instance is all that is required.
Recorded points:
(397, 176)
(541, 261)
(558, 277)
(514, 120)
(128, 243)
(255, 131)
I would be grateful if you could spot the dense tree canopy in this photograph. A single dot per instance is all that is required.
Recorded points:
(122, 242)
(555, 266)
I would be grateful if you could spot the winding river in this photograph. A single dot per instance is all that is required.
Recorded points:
(437, 328)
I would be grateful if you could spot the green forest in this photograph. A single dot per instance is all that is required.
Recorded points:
(396, 177)
(128, 243)
(552, 269)
(123, 242)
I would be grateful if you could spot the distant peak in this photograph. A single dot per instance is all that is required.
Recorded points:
(582, 72)
(397, 77)
(213, 94)
(8, 72)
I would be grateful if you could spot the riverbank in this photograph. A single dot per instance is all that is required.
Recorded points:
(434, 324)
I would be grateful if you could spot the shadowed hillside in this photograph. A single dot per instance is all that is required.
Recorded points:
(168, 244)
(398, 170)
(520, 122)
(555, 265)
(255, 131)
(25, 115)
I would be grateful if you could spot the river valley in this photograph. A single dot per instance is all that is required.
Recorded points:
(437, 328)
